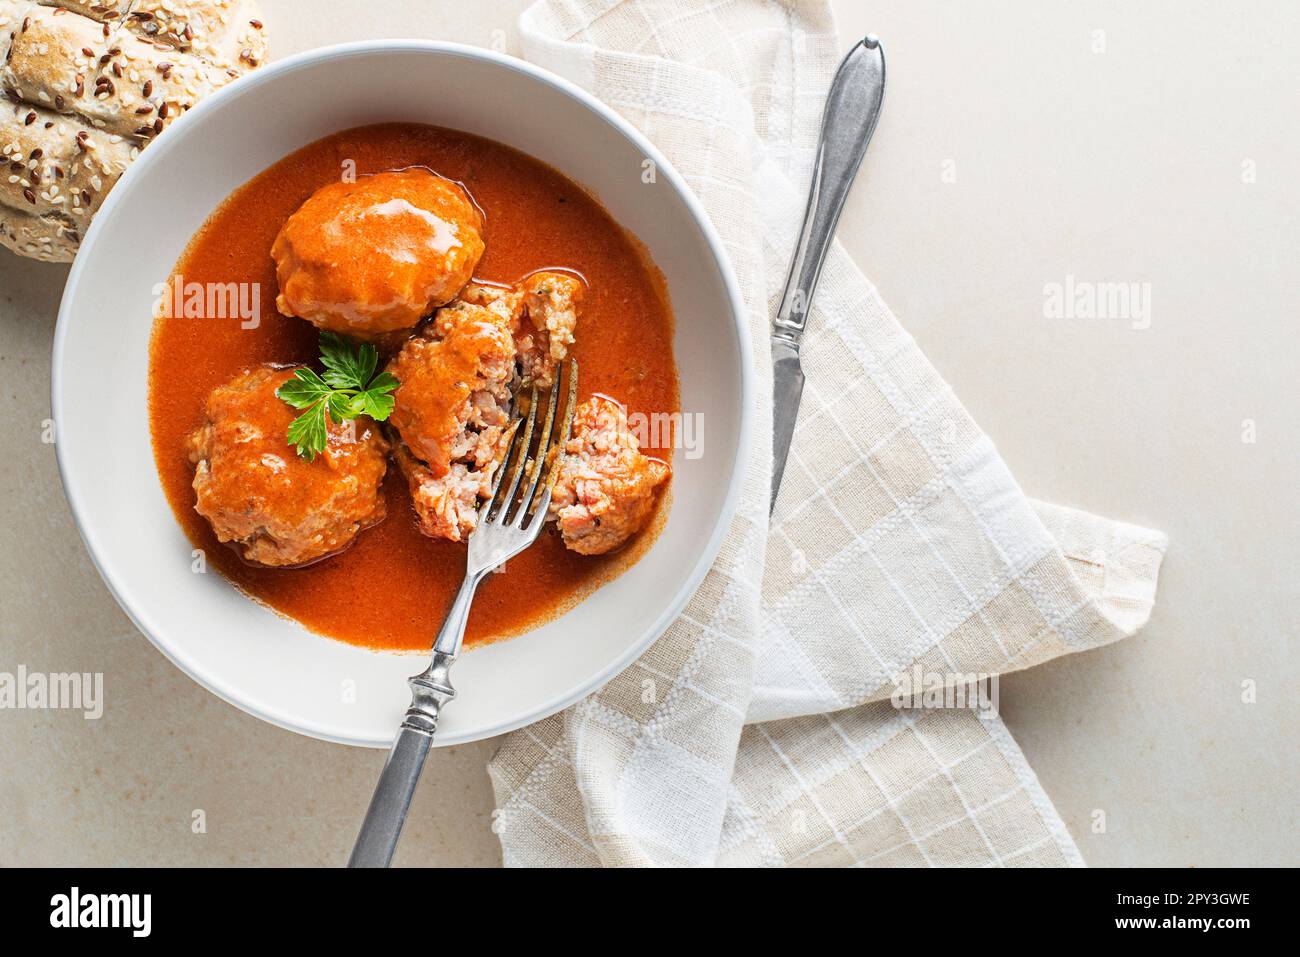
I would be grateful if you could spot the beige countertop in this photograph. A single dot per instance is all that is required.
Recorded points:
(1053, 141)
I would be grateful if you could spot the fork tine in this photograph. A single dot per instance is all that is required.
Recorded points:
(539, 457)
(507, 449)
(561, 439)
(516, 461)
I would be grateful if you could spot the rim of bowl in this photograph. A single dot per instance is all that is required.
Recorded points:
(157, 152)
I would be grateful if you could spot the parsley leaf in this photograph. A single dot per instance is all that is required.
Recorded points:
(309, 431)
(348, 388)
(377, 401)
(347, 367)
(304, 390)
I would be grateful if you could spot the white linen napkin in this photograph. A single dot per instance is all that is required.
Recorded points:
(758, 729)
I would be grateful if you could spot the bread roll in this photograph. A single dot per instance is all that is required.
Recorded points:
(52, 238)
(224, 33)
(87, 85)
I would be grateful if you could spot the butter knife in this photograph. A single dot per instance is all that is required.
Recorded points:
(852, 108)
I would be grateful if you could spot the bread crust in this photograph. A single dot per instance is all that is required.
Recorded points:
(89, 84)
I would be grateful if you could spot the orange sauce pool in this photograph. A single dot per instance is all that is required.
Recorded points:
(390, 590)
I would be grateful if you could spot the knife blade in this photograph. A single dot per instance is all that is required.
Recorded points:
(852, 109)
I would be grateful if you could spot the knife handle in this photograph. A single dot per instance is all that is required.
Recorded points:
(852, 109)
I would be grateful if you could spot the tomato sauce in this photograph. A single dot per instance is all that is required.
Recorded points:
(391, 588)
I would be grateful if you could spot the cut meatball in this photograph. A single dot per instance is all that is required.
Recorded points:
(548, 316)
(447, 505)
(373, 257)
(451, 412)
(455, 384)
(257, 493)
(605, 489)
(543, 311)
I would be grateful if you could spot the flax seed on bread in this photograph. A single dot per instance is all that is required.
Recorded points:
(87, 85)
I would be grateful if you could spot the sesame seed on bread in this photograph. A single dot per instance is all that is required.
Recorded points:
(87, 85)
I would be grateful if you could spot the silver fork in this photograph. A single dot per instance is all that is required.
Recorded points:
(508, 523)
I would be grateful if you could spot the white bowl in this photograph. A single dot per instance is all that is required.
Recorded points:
(273, 667)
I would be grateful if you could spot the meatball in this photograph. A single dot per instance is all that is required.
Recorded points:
(451, 412)
(446, 505)
(543, 311)
(373, 257)
(255, 491)
(605, 489)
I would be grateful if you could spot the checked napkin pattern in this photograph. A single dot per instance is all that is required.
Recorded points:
(901, 538)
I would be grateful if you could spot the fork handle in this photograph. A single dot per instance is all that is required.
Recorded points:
(430, 690)
(387, 813)
(452, 632)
